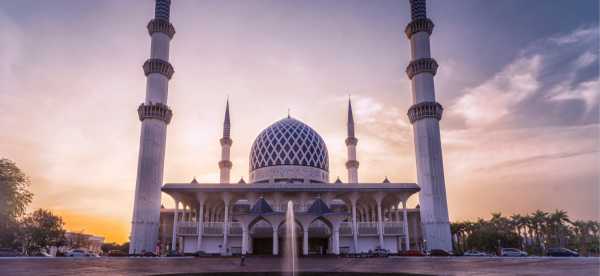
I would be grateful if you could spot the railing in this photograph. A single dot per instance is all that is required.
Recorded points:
(367, 229)
(393, 228)
(235, 229)
(213, 229)
(187, 228)
(346, 229)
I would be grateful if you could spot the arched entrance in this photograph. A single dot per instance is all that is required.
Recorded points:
(283, 233)
(319, 237)
(261, 237)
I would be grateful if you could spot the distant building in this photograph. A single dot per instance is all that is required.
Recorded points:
(75, 240)
(289, 162)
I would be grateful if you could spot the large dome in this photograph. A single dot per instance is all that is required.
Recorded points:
(289, 150)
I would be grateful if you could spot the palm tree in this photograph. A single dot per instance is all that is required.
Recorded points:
(557, 222)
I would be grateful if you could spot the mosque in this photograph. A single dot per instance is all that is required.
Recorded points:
(289, 162)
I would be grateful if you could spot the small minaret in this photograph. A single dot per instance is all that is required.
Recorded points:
(424, 115)
(225, 163)
(351, 141)
(155, 115)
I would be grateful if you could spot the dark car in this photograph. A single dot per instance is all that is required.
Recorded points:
(116, 253)
(7, 252)
(439, 253)
(561, 252)
(412, 253)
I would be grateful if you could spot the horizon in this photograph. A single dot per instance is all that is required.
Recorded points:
(520, 130)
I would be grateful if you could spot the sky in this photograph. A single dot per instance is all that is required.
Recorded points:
(518, 81)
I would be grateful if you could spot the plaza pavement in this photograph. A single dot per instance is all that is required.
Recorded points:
(417, 265)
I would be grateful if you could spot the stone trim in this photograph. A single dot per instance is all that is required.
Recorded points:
(155, 111)
(352, 164)
(425, 110)
(351, 141)
(225, 164)
(155, 65)
(422, 65)
(226, 141)
(419, 25)
(161, 26)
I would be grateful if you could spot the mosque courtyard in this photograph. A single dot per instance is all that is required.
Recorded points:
(307, 266)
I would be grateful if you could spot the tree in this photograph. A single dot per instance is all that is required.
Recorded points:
(40, 230)
(14, 198)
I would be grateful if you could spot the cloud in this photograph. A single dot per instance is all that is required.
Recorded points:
(495, 98)
(546, 84)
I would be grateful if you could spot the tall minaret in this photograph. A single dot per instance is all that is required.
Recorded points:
(351, 141)
(225, 163)
(424, 115)
(155, 116)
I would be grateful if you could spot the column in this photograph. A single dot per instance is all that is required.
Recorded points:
(379, 223)
(354, 200)
(226, 229)
(275, 241)
(405, 225)
(305, 242)
(244, 239)
(200, 229)
(336, 240)
(175, 219)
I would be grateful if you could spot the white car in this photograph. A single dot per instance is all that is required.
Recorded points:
(77, 253)
(475, 253)
(512, 252)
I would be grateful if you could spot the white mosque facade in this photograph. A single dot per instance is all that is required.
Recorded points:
(289, 162)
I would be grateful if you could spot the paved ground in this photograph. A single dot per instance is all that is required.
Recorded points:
(418, 265)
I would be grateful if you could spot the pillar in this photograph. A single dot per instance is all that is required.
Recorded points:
(200, 229)
(226, 229)
(354, 200)
(405, 225)
(305, 241)
(379, 222)
(275, 241)
(175, 220)
(244, 239)
(336, 239)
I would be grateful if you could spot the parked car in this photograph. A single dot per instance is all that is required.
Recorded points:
(412, 253)
(512, 252)
(475, 253)
(77, 253)
(561, 252)
(381, 252)
(7, 252)
(116, 253)
(439, 253)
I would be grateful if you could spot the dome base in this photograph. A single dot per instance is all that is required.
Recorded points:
(289, 173)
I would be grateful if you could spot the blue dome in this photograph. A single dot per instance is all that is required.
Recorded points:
(289, 142)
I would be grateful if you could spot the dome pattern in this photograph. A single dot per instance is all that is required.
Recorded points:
(289, 142)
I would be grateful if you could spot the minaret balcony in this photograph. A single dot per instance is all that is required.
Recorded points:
(155, 65)
(422, 65)
(161, 26)
(351, 141)
(155, 111)
(225, 164)
(425, 110)
(352, 164)
(419, 25)
(226, 141)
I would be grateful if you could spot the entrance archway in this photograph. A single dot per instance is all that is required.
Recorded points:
(261, 236)
(319, 237)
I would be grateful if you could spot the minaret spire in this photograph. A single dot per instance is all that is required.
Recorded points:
(155, 115)
(226, 142)
(424, 115)
(351, 141)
